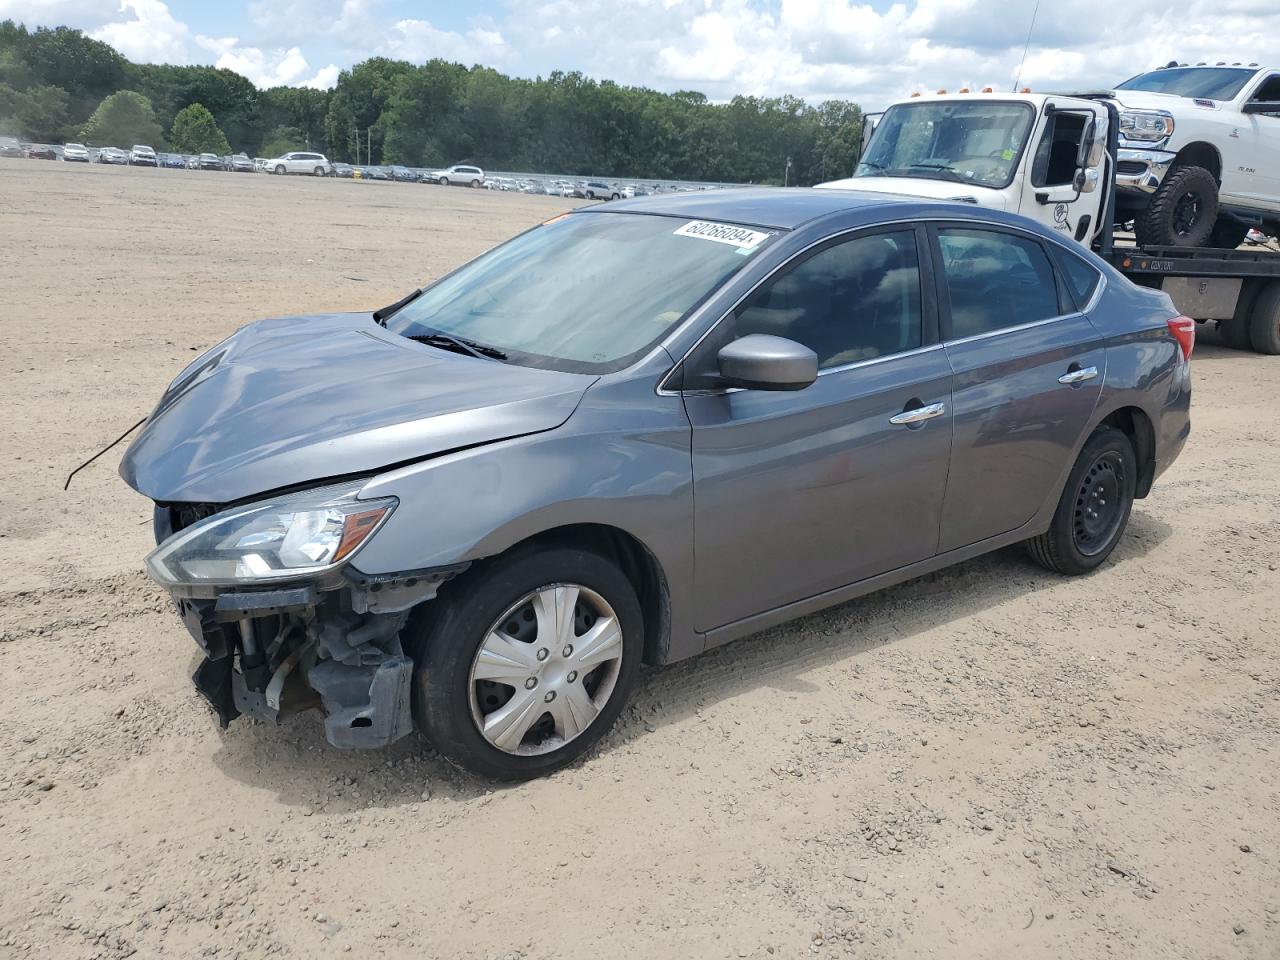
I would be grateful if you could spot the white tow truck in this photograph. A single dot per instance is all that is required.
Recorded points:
(1188, 171)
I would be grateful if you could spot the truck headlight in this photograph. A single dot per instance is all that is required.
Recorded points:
(1147, 125)
(292, 536)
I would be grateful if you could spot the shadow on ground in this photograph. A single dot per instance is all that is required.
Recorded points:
(294, 762)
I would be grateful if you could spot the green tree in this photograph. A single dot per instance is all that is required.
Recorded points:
(283, 140)
(195, 131)
(38, 113)
(123, 118)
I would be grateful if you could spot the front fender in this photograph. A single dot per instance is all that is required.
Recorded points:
(622, 460)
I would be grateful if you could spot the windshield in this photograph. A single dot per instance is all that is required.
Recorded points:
(585, 292)
(963, 141)
(1208, 83)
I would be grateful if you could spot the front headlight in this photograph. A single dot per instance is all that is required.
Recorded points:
(1147, 125)
(293, 536)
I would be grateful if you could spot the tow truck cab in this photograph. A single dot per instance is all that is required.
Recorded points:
(1055, 159)
(1039, 155)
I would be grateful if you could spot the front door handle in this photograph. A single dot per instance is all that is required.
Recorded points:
(919, 414)
(1079, 375)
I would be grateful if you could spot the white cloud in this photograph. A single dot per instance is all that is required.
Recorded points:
(419, 40)
(856, 49)
(150, 35)
(325, 77)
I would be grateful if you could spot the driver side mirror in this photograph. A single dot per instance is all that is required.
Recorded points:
(762, 362)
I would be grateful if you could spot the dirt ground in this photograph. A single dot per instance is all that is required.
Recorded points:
(989, 762)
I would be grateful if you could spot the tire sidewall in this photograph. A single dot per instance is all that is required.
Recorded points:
(1158, 219)
(1103, 440)
(445, 641)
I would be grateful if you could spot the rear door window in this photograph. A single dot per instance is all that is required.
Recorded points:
(995, 280)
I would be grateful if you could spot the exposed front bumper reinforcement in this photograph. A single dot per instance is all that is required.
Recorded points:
(273, 653)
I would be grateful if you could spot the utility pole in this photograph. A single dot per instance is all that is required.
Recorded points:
(356, 132)
(368, 147)
(786, 173)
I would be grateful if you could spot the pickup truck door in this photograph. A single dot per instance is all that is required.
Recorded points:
(1257, 180)
(1051, 194)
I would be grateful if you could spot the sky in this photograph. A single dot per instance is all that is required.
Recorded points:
(872, 53)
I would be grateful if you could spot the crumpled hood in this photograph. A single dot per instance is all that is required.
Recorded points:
(301, 399)
(921, 187)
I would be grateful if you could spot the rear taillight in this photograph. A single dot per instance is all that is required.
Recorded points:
(1184, 331)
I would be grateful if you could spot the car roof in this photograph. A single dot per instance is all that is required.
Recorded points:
(777, 207)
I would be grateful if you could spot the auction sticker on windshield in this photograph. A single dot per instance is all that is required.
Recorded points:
(739, 237)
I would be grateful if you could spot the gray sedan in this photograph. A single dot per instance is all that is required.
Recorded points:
(635, 432)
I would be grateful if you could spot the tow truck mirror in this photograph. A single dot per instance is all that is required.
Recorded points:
(1085, 150)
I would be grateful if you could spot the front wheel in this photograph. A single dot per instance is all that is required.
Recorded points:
(280, 169)
(444, 181)
(526, 662)
(1182, 212)
(1094, 508)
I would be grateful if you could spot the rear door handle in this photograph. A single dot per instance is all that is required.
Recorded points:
(919, 414)
(1078, 376)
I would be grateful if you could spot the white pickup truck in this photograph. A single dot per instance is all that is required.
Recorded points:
(1190, 154)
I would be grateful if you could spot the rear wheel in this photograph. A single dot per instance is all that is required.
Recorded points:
(1228, 233)
(525, 663)
(318, 171)
(1235, 332)
(1264, 325)
(475, 184)
(1183, 211)
(1094, 509)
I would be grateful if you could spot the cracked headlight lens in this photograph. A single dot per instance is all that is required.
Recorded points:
(292, 536)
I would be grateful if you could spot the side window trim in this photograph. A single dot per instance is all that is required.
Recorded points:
(1066, 304)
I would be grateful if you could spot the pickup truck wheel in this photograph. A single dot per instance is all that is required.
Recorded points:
(523, 663)
(1264, 326)
(1094, 509)
(1183, 211)
(1228, 233)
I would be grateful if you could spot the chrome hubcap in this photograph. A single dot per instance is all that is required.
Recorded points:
(546, 669)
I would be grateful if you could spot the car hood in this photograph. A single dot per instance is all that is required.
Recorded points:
(922, 187)
(1145, 100)
(302, 399)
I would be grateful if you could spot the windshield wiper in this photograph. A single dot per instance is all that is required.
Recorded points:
(872, 164)
(940, 167)
(445, 341)
(381, 315)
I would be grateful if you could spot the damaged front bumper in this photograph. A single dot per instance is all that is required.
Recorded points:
(333, 644)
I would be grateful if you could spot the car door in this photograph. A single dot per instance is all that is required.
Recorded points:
(1028, 371)
(1053, 198)
(801, 492)
(1258, 177)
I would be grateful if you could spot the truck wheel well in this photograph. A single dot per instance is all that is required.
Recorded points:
(635, 560)
(1201, 154)
(1136, 425)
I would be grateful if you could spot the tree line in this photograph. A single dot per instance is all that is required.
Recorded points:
(56, 85)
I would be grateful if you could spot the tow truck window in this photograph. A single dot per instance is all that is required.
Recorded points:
(1055, 159)
(963, 142)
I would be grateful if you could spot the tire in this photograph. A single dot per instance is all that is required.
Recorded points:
(475, 184)
(1264, 324)
(279, 169)
(1228, 233)
(444, 181)
(318, 171)
(1082, 534)
(1183, 211)
(1235, 332)
(613, 196)
(450, 704)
